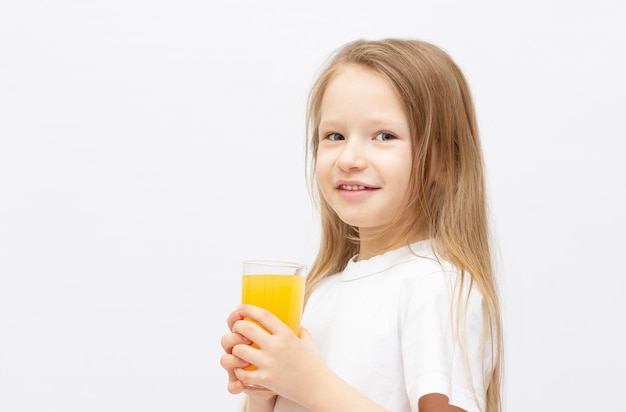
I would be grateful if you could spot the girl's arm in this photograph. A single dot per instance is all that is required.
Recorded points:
(291, 366)
(436, 402)
(256, 403)
(336, 395)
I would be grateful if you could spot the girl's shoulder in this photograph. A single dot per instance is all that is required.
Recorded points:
(427, 275)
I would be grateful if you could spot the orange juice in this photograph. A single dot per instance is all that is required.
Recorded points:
(278, 287)
(282, 295)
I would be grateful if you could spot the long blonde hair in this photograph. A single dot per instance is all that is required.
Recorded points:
(452, 208)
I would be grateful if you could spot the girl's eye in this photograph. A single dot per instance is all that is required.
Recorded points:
(384, 136)
(333, 137)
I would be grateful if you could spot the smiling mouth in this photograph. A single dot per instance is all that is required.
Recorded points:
(354, 187)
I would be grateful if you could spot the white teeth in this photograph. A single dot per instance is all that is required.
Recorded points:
(352, 187)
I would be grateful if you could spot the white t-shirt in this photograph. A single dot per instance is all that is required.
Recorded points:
(385, 326)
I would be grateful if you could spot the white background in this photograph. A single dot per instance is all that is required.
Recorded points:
(147, 147)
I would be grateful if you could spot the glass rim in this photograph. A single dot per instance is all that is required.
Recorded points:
(269, 262)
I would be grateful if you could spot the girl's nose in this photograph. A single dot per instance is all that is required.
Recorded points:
(352, 155)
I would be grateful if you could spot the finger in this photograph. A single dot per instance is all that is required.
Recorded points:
(232, 318)
(231, 339)
(252, 331)
(235, 387)
(263, 317)
(250, 377)
(230, 363)
(249, 354)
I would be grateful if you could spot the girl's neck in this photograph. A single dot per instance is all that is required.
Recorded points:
(371, 245)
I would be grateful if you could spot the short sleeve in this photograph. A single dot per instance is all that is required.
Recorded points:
(438, 356)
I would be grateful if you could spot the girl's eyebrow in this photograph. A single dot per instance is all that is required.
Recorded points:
(374, 122)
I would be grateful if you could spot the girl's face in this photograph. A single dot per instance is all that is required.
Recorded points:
(364, 155)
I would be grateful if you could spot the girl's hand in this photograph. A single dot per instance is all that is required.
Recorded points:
(285, 363)
(230, 361)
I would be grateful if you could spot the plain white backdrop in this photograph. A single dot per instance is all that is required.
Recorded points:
(147, 147)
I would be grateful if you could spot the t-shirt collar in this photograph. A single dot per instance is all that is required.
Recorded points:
(377, 264)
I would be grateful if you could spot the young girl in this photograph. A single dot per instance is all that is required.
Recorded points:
(402, 312)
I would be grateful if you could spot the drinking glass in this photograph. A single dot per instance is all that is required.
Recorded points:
(278, 287)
